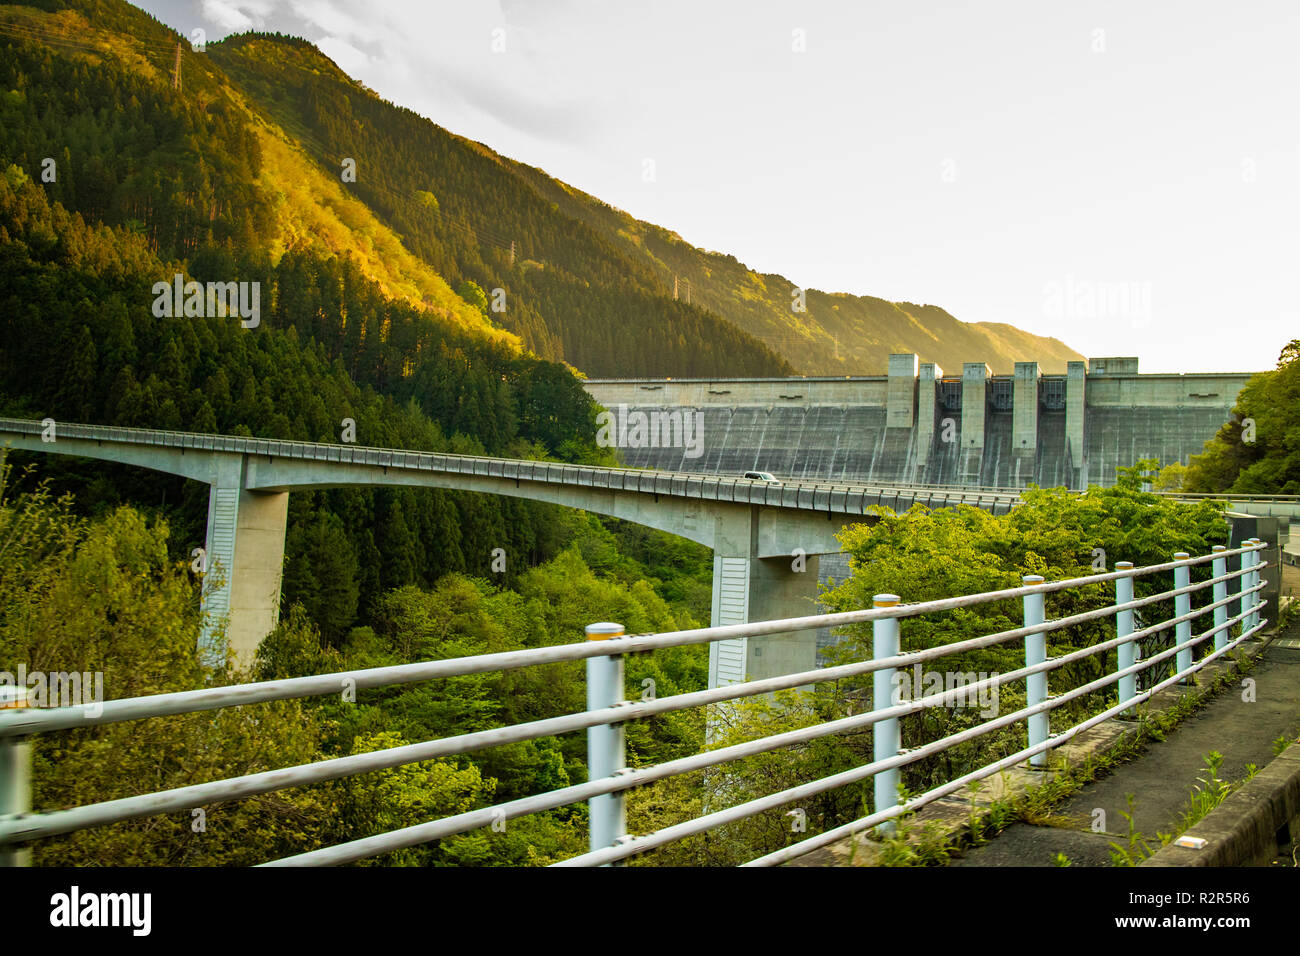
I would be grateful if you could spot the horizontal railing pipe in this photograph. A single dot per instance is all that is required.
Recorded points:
(21, 723)
(842, 832)
(15, 829)
(450, 826)
(637, 845)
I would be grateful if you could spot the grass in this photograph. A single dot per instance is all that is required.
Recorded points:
(908, 846)
(1209, 793)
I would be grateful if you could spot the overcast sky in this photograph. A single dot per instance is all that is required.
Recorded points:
(1123, 176)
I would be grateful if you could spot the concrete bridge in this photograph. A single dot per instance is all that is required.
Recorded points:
(755, 529)
(767, 539)
(918, 425)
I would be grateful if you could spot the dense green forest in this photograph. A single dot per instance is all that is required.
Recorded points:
(246, 158)
(415, 384)
(147, 184)
(1258, 452)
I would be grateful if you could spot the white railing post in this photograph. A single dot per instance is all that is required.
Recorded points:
(1239, 590)
(1258, 574)
(606, 755)
(885, 735)
(1260, 557)
(1256, 579)
(1036, 684)
(1126, 653)
(1219, 569)
(15, 774)
(1249, 580)
(1183, 605)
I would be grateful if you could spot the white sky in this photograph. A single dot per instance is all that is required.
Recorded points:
(1120, 175)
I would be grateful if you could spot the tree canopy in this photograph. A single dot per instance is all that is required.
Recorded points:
(1258, 451)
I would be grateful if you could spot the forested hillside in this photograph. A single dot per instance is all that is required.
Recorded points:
(836, 333)
(147, 184)
(587, 274)
(569, 293)
(268, 145)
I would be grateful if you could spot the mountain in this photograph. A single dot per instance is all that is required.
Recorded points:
(440, 189)
(837, 333)
(565, 290)
(261, 147)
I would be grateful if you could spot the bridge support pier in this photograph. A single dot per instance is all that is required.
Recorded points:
(747, 588)
(245, 562)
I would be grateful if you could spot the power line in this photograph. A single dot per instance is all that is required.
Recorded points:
(41, 34)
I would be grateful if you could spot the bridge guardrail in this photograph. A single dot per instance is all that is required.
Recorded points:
(606, 709)
(716, 487)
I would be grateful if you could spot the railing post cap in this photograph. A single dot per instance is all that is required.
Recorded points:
(1219, 547)
(885, 600)
(604, 631)
(1181, 555)
(1032, 578)
(1123, 565)
(13, 697)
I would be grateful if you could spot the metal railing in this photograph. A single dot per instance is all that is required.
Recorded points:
(830, 496)
(840, 496)
(607, 711)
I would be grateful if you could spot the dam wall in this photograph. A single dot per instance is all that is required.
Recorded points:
(921, 425)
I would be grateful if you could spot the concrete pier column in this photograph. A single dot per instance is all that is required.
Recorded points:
(747, 588)
(762, 589)
(974, 400)
(900, 407)
(1076, 378)
(927, 398)
(245, 562)
(1024, 423)
(1243, 527)
(729, 660)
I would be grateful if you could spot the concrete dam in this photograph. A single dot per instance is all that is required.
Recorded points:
(918, 425)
